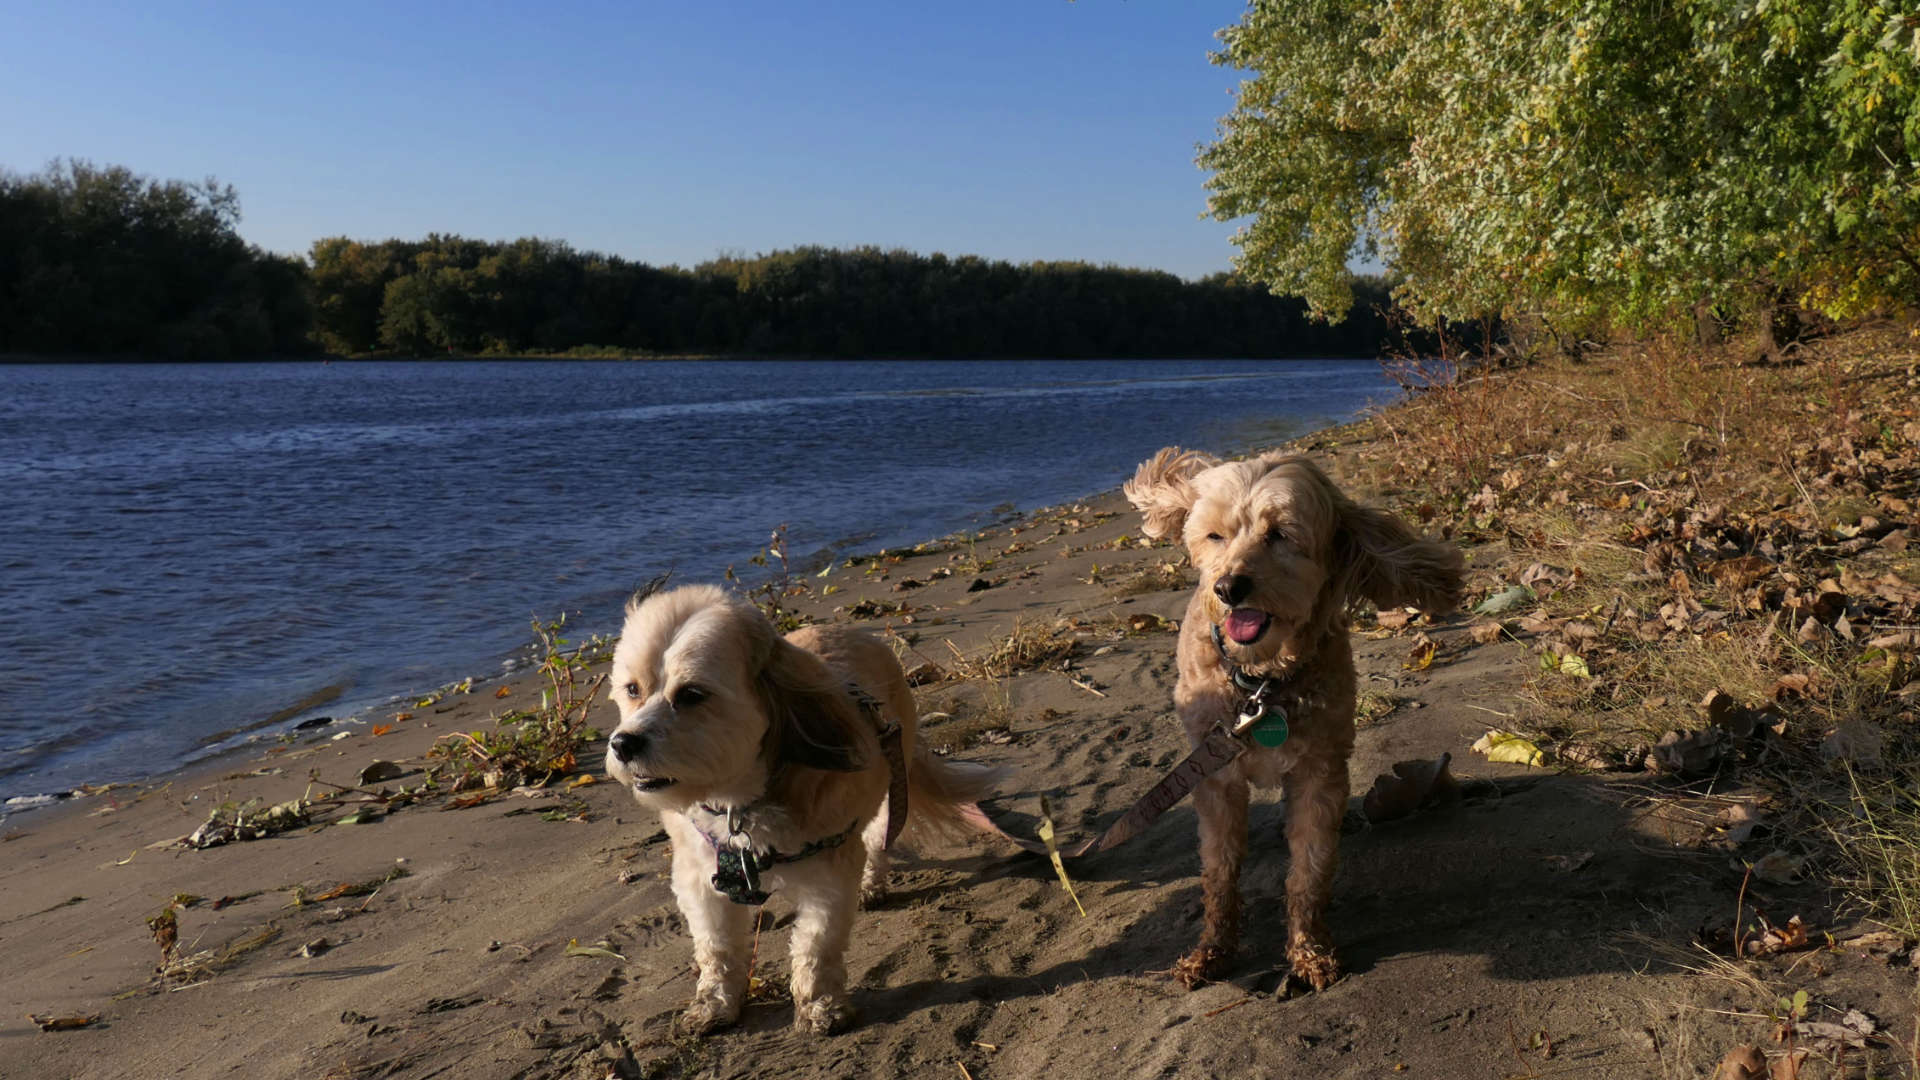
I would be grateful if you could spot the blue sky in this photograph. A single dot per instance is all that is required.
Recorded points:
(665, 132)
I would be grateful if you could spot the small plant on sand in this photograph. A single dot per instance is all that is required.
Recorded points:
(531, 747)
(770, 596)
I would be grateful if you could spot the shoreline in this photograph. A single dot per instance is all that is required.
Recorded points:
(508, 669)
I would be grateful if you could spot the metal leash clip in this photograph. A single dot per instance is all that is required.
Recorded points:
(743, 848)
(1266, 723)
(1254, 711)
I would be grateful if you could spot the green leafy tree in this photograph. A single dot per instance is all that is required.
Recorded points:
(1597, 159)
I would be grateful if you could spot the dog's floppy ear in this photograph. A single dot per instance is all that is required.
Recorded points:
(813, 720)
(1377, 556)
(1162, 489)
(641, 594)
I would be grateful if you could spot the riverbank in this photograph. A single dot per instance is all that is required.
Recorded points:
(1579, 916)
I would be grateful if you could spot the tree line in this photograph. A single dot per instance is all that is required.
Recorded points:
(450, 294)
(99, 260)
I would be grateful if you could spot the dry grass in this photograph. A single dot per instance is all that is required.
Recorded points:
(1637, 481)
(1032, 644)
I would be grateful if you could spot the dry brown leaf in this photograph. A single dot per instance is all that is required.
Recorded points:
(1486, 632)
(1742, 1063)
(1774, 939)
(1411, 785)
(1420, 658)
(63, 1023)
(1738, 573)
(1854, 741)
(1393, 618)
(1688, 753)
(1779, 868)
(1795, 685)
(925, 673)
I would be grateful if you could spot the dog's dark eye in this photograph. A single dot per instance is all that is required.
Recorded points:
(1276, 534)
(633, 690)
(688, 696)
(1215, 537)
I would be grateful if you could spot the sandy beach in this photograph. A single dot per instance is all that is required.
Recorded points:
(1529, 930)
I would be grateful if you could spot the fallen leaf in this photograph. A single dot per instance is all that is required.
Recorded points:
(1854, 741)
(1779, 868)
(1738, 573)
(401, 717)
(381, 729)
(1742, 1063)
(1394, 618)
(166, 931)
(574, 948)
(1421, 658)
(378, 770)
(1688, 753)
(1486, 632)
(1507, 747)
(1505, 600)
(503, 691)
(63, 1023)
(1739, 821)
(582, 781)
(1410, 786)
(1053, 853)
(1775, 939)
(926, 673)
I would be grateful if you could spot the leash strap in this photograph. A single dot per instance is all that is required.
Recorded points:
(896, 754)
(890, 743)
(1214, 753)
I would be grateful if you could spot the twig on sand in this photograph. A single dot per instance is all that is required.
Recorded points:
(1227, 1008)
(1087, 686)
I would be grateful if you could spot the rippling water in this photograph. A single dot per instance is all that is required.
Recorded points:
(190, 553)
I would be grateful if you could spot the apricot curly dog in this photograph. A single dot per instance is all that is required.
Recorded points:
(1281, 554)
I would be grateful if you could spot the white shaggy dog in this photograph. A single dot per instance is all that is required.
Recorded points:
(776, 765)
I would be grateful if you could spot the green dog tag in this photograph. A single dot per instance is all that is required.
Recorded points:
(1271, 729)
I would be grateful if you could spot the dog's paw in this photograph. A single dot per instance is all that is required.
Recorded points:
(873, 895)
(1200, 967)
(822, 1016)
(1313, 965)
(705, 1016)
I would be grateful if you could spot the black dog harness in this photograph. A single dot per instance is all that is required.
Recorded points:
(738, 865)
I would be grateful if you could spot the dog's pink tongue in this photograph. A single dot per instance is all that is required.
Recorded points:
(1245, 624)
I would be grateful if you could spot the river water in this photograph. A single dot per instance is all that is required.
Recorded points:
(193, 555)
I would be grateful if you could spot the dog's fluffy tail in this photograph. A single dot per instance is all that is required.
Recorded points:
(941, 791)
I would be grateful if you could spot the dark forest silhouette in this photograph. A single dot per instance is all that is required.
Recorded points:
(100, 261)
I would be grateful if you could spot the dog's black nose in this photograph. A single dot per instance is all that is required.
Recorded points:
(627, 745)
(1233, 588)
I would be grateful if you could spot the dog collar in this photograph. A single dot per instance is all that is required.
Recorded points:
(738, 864)
(1264, 720)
